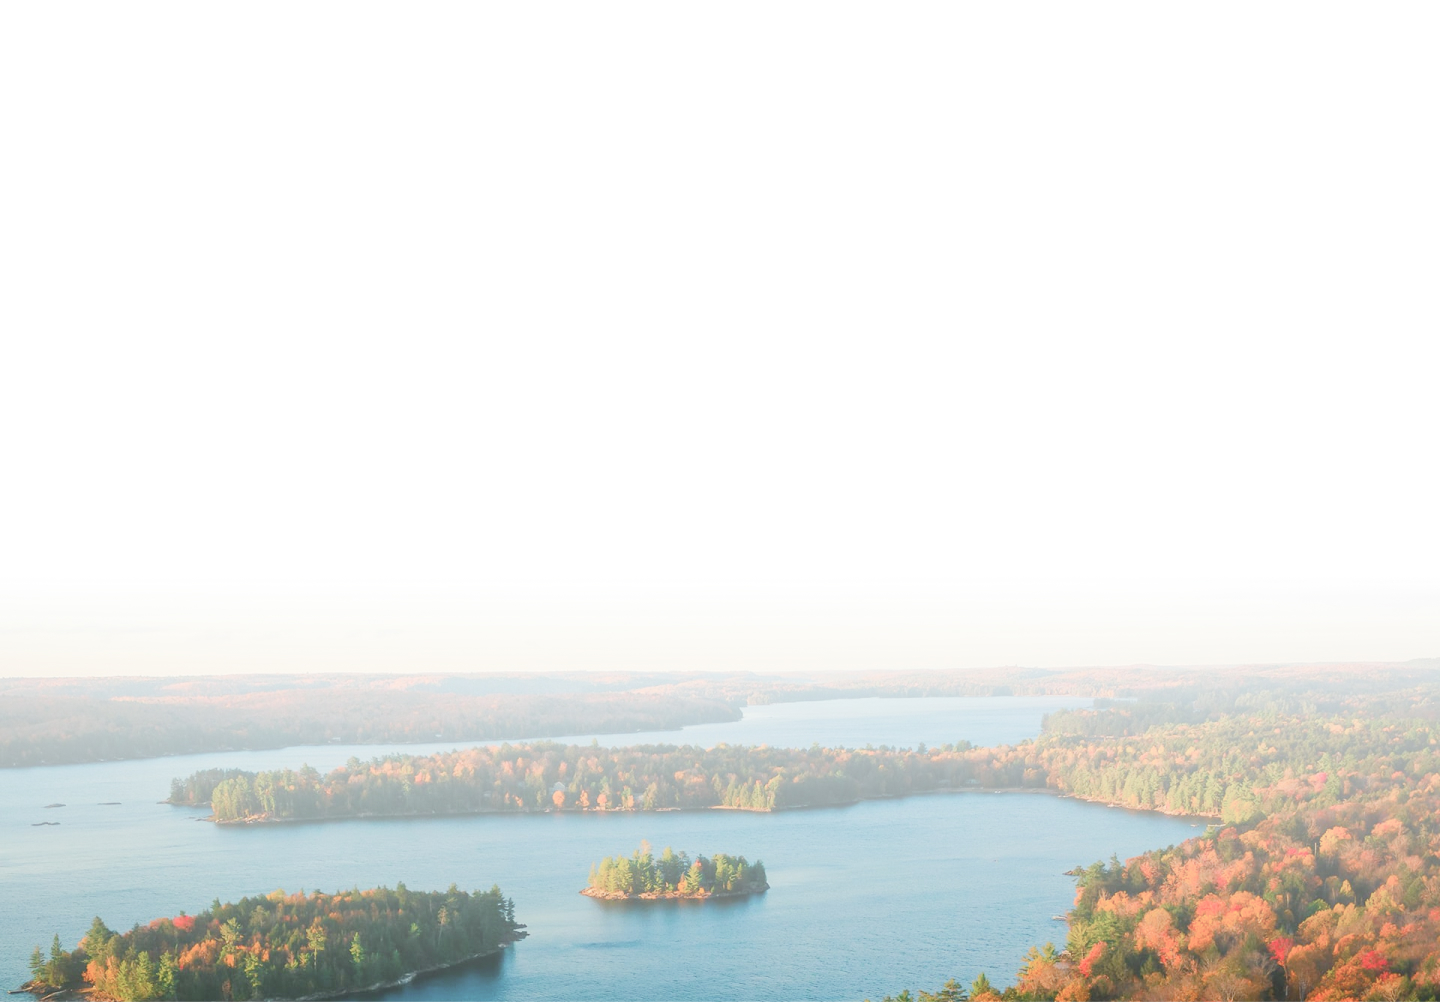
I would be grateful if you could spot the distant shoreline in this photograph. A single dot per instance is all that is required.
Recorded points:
(1046, 791)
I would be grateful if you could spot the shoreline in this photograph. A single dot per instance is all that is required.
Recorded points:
(1209, 819)
(599, 895)
(411, 976)
(87, 992)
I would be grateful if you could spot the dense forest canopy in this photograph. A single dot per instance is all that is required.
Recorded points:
(675, 876)
(1324, 885)
(199, 787)
(283, 945)
(1323, 900)
(545, 777)
(1233, 768)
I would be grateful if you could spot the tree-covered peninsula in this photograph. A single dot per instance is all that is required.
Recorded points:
(644, 877)
(283, 946)
(552, 777)
(1184, 748)
(1189, 769)
(1324, 886)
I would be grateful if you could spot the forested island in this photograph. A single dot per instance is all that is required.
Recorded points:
(1218, 769)
(283, 946)
(643, 877)
(545, 776)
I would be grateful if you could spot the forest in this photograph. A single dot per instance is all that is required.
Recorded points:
(1324, 885)
(643, 876)
(55, 721)
(1232, 769)
(1321, 902)
(1320, 880)
(546, 776)
(282, 946)
(199, 787)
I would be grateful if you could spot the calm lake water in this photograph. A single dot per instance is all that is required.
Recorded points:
(854, 723)
(864, 899)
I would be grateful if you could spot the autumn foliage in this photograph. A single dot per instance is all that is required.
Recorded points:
(283, 945)
(1326, 887)
(545, 776)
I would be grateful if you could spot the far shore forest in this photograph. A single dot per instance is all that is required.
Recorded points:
(1321, 879)
(60, 721)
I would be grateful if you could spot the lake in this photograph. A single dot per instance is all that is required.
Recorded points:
(864, 900)
(855, 723)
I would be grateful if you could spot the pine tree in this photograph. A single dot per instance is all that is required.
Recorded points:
(96, 941)
(951, 991)
(55, 970)
(165, 977)
(142, 977)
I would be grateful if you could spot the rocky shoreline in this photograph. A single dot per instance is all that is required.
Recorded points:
(599, 895)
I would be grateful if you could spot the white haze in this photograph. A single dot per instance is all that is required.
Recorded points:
(764, 336)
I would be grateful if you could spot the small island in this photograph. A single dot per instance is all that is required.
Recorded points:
(642, 877)
(282, 946)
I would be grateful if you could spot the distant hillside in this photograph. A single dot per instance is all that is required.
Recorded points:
(53, 721)
(88, 720)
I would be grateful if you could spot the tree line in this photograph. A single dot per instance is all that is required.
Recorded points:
(1233, 769)
(282, 945)
(546, 776)
(1324, 885)
(199, 787)
(53, 721)
(675, 875)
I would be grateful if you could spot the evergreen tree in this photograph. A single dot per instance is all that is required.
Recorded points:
(165, 976)
(951, 991)
(55, 972)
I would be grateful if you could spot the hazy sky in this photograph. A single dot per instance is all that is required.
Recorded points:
(759, 335)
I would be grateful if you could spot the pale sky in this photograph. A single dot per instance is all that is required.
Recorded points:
(765, 336)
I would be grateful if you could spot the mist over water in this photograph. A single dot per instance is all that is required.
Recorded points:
(865, 899)
(855, 723)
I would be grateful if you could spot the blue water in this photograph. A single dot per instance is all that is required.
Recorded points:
(864, 900)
